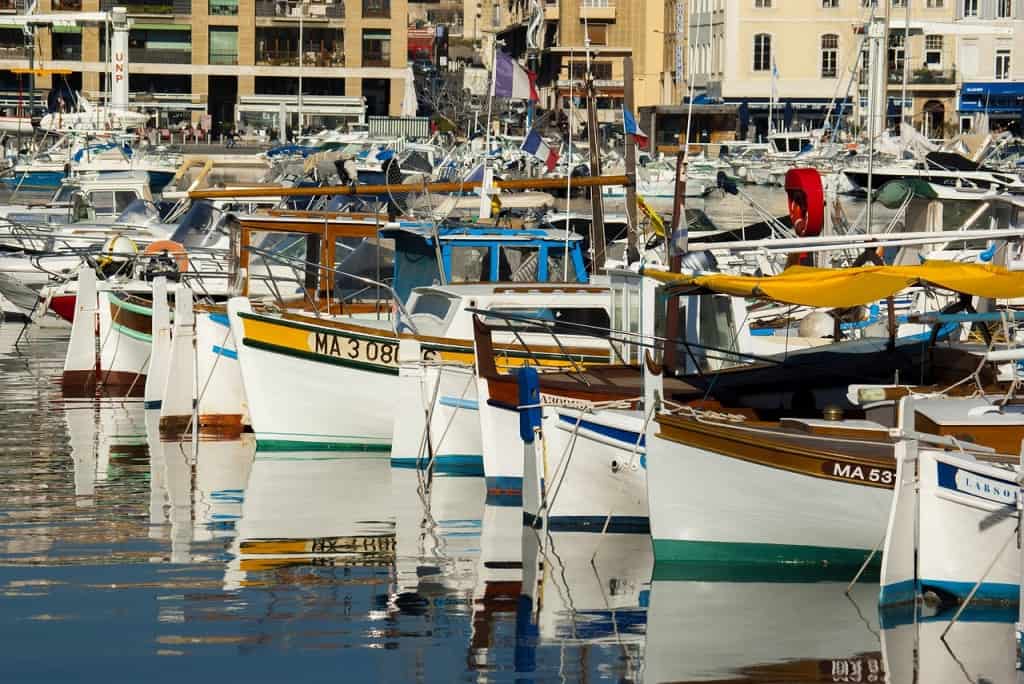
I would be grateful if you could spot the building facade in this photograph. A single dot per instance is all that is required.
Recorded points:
(193, 57)
(648, 30)
(793, 64)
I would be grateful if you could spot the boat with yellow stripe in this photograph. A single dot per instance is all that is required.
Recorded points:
(330, 383)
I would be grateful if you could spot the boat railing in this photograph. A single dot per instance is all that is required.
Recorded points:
(296, 263)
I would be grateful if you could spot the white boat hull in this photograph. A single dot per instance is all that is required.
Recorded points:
(708, 507)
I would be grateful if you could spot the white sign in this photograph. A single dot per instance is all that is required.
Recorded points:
(985, 488)
(476, 81)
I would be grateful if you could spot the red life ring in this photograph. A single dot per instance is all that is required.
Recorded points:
(806, 200)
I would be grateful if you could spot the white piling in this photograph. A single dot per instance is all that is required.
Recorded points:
(159, 357)
(180, 390)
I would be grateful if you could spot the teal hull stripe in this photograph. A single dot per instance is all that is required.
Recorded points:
(678, 551)
(134, 334)
(298, 445)
(122, 304)
(453, 464)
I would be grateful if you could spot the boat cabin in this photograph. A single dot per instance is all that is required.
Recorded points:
(88, 198)
(481, 254)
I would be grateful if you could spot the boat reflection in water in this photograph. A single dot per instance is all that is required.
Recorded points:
(312, 509)
(196, 491)
(557, 589)
(103, 435)
(709, 625)
(979, 647)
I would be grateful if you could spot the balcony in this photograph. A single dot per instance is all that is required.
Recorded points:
(282, 9)
(224, 58)
(223, 8)
(158, 56)
(924, 76)
(290, 58)
(67, 5)
(142, 7)
(598, 9)
(268, 57)
(13, 52)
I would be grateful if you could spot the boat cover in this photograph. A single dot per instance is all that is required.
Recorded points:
(826, 287)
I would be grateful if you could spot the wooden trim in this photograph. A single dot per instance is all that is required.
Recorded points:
(863, 463)
(1005, 439)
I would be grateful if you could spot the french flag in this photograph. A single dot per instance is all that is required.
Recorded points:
(629, 123)
(539, 149)
(511, 80)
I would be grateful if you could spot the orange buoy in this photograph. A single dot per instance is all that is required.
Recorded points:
(174, 249)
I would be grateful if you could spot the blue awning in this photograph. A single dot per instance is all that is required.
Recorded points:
(993, 88)
(996, 96)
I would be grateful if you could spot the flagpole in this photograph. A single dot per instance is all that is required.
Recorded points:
(485, 199)
(568, 173)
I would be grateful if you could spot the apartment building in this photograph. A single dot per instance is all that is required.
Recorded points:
(809, 57)
(991, 62)
(192, 57)
(648, 30)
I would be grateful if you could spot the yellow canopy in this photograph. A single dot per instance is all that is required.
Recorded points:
(828, 287)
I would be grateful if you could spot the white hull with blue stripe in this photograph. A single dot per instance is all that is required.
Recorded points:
(938, 510)
(447, 394)
(594, 472)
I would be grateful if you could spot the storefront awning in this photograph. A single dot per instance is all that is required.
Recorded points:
(994, 96)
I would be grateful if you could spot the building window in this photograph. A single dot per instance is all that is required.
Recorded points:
(597, 34)
(970, 8)
(829, 55)
(1004, 9)
(1002, 65)
(223, 45)
(762, 52)
(377, 8)
(935, 4)
(933, 51)
(763, 4)
(376, 48)
(899, 3)
(829, 4)
(896, 54)
(67, 43)
(602, 71)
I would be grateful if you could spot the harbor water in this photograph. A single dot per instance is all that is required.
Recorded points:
(123, 557)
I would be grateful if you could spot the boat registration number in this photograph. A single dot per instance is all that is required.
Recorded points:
(354, 349)
(852, 472)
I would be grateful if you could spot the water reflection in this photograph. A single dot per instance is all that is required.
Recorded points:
(750, 631)
(979, 647)
(555, 590)
(115, 543)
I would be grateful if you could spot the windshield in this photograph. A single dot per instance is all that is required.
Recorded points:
(194, 229)
(138, 212)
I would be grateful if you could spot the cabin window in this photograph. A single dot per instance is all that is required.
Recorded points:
(517, 264)
(102, 202)
(562, 321)
(561, 268)
(470, 265)
(432, 304)
(716, 332)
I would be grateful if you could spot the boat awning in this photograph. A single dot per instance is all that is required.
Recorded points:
(838, 288)
(991, 96)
